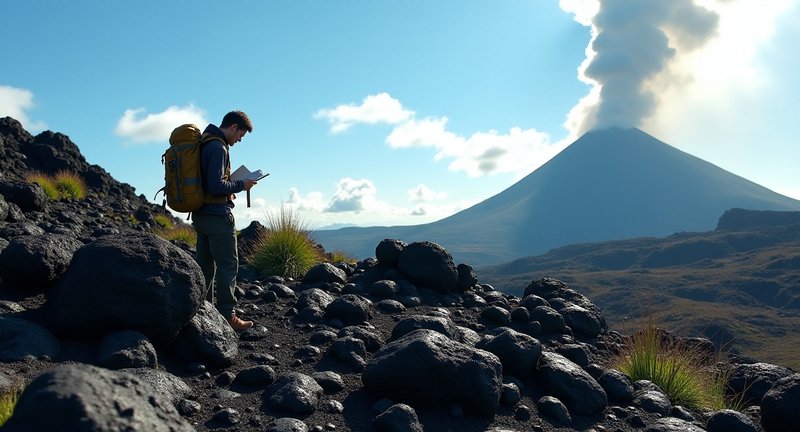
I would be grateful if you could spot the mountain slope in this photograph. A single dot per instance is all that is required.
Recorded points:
(738, 284)
(609, 184)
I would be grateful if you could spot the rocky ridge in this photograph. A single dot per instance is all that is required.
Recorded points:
(105, 326)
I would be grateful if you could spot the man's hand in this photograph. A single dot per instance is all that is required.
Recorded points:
(249, 183)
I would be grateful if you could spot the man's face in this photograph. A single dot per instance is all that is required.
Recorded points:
(235, 135)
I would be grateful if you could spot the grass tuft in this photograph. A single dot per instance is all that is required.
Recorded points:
(164, 221)
(7, 403)
(182, 232)
(64, 185)
(45, 181)
(285, 249)
(70, 185)
(690, 377)
(340, 256)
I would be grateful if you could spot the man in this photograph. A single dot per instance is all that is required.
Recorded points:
(216, 232)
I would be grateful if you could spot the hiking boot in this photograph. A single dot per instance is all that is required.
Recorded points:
(239, 324)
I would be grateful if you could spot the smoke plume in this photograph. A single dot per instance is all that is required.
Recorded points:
(633, 44)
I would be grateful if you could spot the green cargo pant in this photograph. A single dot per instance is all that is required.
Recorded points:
(218, 258)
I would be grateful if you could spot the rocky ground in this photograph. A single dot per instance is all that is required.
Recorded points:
(105, 326)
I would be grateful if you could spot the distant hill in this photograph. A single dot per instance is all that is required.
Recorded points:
(738, 284)
(609, 184)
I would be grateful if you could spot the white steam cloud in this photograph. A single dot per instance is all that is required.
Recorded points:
(633, 45)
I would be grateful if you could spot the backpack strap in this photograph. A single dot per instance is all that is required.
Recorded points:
(216, 199)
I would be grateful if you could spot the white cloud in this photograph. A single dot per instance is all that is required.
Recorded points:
(518, 151)
(356, 202)
(583, 10)
(142, 128)
(15, 102)
(313, 201)
(429, 212)
(256, 212)
(380, 108)
(428, 132)
(353, 196)
(423, 193)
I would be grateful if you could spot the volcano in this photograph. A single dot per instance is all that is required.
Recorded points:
(610, 184)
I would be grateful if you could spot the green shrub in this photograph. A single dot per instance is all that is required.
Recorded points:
(688, 376)
(285, 249)
(182, 232)
(45, 181)
(64, 185)
(164, 221)
(340, 256)
(7, 403)
(69, 185)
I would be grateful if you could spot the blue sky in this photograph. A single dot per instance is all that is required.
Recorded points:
(400, 113)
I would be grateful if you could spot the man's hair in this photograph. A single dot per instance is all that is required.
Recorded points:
(238, 118)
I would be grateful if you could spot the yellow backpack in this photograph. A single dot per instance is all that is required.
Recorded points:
(183, 181)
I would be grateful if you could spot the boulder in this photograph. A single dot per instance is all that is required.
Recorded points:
(248, 239)
(653, 401)
(571, 384)
(325, 273)
(617, 385)
(388, 252)
(555, 409)
(754, 380)
(349, 350)
(83, 397)
(554, 290)
(331, 382)
(22, 339)
(3, 208)
(135, 281)
(255, 376)
(9, 307)
(518, 352)
(576, 353)
(28, 196)
(20, 228)
(384, 288)
(728, 420)
(531, 301)
(169, 386)
(208, 338)
(126, 349)
(549, 318)
(313, 297)
(398, 418)
(294, 392)
(439, 324)
(389, 306)
(429, 265)
(428, 368)
(496, 315)
(287, 424)
(581, 321)
(35, 262)
(779, 408)
(466, 277)
(672, 424)
(373, 340)
(351, 309)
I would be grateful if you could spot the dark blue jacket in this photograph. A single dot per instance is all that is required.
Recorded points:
(213, 162)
